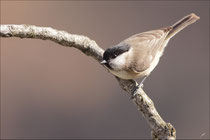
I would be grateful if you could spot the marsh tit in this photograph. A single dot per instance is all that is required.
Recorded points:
(138, 55)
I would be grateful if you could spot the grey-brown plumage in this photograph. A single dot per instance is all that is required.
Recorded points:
(145, 47)
(138, 55)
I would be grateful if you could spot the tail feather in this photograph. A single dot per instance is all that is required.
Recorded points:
(181, 24)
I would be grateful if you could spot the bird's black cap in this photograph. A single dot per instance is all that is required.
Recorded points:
(115, 51)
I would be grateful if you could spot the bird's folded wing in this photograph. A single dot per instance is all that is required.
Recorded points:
(145, 46)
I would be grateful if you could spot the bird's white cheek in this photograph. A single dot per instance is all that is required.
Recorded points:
(119, 62)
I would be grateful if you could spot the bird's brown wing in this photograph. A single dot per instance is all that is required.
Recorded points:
(145, 46)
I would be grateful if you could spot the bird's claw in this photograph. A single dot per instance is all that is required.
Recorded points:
(135, 92)
(141, 85)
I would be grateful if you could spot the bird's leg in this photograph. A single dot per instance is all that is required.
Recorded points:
(141, 84)
(137, 87)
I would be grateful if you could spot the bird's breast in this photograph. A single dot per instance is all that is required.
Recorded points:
(125, 74)
(130, 74)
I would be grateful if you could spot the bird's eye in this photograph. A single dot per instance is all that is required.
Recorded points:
(113, 56)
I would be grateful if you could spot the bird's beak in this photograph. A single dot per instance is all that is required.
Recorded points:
(103, 62)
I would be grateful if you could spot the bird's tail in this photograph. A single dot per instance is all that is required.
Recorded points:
(181, 24)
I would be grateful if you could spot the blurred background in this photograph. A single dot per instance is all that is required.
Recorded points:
(53, 92)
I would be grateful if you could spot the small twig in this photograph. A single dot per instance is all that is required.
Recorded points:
(160, 129)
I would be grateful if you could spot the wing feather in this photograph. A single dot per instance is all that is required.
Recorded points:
(145, 46)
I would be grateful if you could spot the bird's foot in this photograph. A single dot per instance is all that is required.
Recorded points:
(135, 92)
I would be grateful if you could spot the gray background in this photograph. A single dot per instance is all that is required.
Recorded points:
(49, 91)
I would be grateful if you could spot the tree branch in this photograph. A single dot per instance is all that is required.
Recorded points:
(160, 129)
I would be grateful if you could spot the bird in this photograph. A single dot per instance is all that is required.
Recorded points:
(138, 55)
